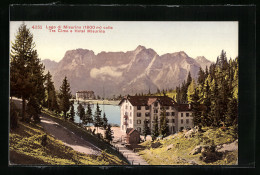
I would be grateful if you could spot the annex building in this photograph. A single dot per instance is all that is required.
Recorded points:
(135, 110)
(85, 95)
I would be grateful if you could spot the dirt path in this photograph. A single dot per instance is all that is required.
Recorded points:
(67, 137)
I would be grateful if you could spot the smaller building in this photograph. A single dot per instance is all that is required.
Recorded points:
(85, 95)
(132, 136)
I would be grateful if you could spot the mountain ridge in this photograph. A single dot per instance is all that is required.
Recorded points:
(128, 72)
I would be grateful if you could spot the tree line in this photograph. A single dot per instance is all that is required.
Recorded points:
(214, 95)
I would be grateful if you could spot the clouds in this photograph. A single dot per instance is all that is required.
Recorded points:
(105, 71)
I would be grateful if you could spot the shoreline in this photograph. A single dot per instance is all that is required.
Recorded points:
(105, 102)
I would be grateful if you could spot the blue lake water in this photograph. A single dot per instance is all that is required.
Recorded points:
(112, 112)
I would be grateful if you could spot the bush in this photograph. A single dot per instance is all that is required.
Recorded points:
(210, 155)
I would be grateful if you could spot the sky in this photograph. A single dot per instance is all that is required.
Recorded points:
(194, 38)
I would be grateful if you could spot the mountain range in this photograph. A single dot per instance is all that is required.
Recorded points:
(114, 73)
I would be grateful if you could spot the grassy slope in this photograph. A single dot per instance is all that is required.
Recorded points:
(25, 148)
(85, 135)
(181, 147)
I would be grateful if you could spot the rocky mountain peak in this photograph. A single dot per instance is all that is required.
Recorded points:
(128, 72)
(139, 48)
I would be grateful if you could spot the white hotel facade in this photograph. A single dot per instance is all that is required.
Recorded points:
(135, 110)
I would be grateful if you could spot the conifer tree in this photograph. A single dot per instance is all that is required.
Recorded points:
(155, 131)
(104, 121)
(146, 130)
(163, 123)
(81, 112)
(97, 117)
(88, 116)
(72, 113)
(191, 91)
(189, 79)
(201, 77)
(196, 109)
(109, 133)
(26, 72)
(64, 97)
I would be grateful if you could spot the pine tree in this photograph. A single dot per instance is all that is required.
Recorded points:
(72, 113)
(81, 112)
(189, 79)
(155, 131)
(64, 97)
(26, 72)
(88, 116)
(49, 88)
(232, 113)
(196, 109)
(146, 130)
(104, 121)
(191, 90)
(163, 123)
(97, 117)
(109, 133)
(201, 77)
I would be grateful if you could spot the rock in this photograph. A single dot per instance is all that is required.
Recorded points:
(228, 147)
(148, 138)
(190, 133)
(169, 147)
(156, 145)
(199, 149)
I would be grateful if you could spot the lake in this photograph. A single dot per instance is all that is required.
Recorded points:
(112, 112)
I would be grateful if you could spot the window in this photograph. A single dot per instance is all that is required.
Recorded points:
(167, 120)
(187, 114)
(155, 116)
(139, 114)
(173, 120)
(138, 107)
(155, 111)
(130, 107)
(181, 121)
(130, 114)
(181, 114)
(138, 121)
(147, 114)
(126, 113)
(173, 113)
(156, 104)
(125, 106)
(187, 121)
(147, 107)
(167, 114)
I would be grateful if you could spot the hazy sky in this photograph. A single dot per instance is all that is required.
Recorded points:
(195, 38)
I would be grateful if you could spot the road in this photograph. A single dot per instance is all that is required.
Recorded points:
(68, 137)
(62, 133)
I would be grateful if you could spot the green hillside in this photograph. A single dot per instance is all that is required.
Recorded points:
(175, 149)
(25, 148)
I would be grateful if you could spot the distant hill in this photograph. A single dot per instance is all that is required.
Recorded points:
(203, 62)
(128, 72)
